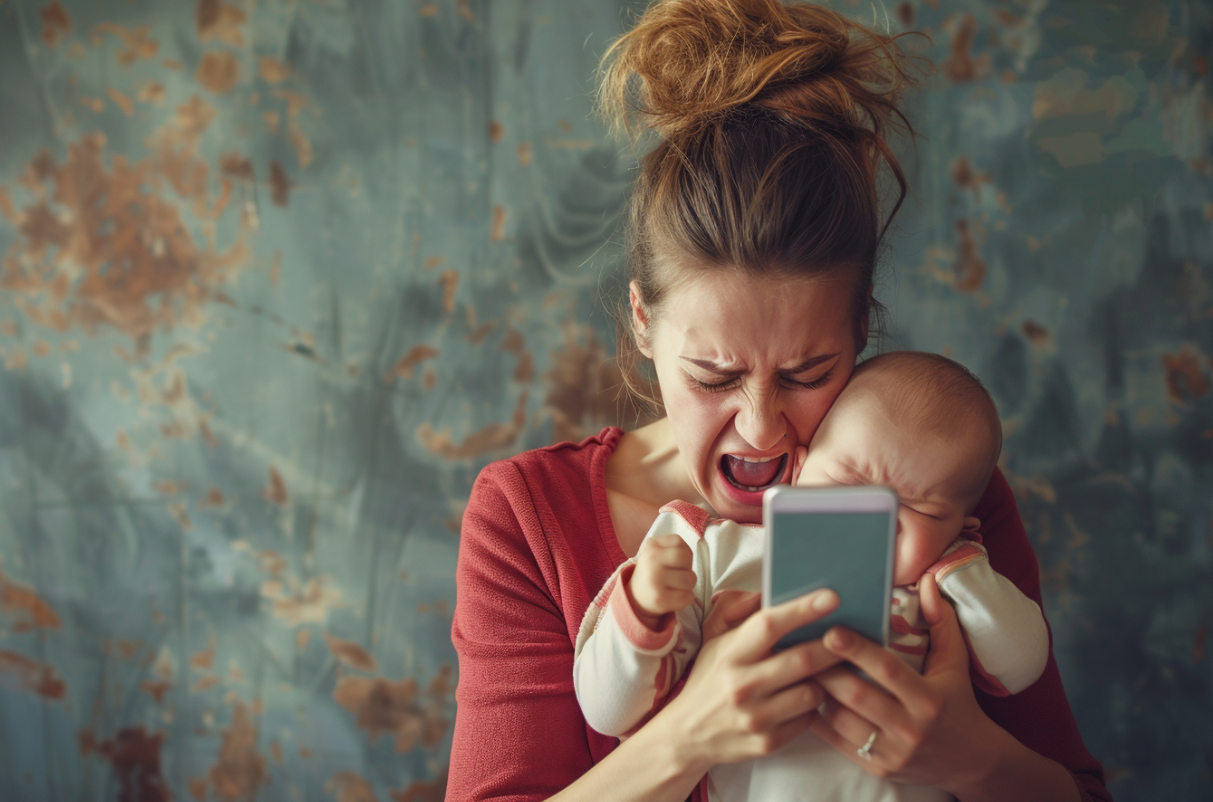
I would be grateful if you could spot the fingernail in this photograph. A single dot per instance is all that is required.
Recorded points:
(839, 639)
(824, 600)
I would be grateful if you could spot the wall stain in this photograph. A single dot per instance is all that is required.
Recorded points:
(56, 23)
(960, 66)
(36, 678)
(386, 707)
(494, 437)
(450, 282)
(137, 44)
(221, 22)
(218, 71)
(404, 366)
(583, 386)
(421, 791)
(123, 256)
(1186, 380)
(350, 787)
(135, 758)
(969, 269)
(352, 654)
(275, 491)
(240, 770)
(272, 70)
(280, 185)
(307, 602)
(28, 609)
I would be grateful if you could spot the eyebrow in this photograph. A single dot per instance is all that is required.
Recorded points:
(811, 362)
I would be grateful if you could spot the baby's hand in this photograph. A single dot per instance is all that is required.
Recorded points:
(662, 581)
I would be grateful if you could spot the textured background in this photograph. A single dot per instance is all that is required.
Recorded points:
(279, 276)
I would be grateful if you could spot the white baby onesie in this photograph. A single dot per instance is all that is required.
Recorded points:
(623, 671)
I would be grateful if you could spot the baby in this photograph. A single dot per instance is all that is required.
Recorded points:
(916, 422)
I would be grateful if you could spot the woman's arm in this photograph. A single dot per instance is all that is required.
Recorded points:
(937, 725)
(519, 734)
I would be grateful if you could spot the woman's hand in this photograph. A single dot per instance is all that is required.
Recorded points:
(741, 701)
(929, 729)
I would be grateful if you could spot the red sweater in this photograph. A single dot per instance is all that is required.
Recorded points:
(537, 545)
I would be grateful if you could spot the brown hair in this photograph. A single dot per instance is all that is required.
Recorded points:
(771, 124)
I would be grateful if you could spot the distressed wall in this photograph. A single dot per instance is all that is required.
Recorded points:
(279, 277)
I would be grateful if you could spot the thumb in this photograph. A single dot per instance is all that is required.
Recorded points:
(729, 609)
(948, 649)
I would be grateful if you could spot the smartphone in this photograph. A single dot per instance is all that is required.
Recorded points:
(831, 537)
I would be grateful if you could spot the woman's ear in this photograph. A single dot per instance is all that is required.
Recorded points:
(640, 320)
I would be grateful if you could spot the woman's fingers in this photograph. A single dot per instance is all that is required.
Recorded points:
(882, 666)
(762, 631)
(856, 698)
(794, 664)
(948, 650)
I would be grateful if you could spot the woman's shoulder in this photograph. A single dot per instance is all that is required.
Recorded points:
(563, 465)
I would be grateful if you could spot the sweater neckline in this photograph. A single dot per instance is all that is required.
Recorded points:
(609, 439)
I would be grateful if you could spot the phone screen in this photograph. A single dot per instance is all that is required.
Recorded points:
(844, 551)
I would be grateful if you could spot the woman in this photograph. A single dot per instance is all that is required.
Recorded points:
(754, 233)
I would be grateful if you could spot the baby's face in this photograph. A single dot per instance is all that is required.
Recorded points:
(857, 444)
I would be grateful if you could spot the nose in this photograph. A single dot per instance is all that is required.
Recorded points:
(761, 422)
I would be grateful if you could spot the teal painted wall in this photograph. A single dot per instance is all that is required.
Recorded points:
(279, 277)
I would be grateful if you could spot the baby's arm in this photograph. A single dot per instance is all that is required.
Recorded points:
(626, 660)
(1007, 636)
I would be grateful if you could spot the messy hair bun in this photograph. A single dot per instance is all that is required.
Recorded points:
(771, 124)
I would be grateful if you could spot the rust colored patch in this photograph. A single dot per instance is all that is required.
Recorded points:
(295, 104)
(204, 659)
(450, 282)
(295, 602)
(218, 71)
(960, 66)
(276, 752)
(494, 437)
(169, 488)
(351, 653)
(969, 269)
(302, 637)
(429, 379)
(582, 386)
(234, 164)
(119, 252)
(478, 334)
(524, 371)
(136, 42)
(240, 770)
(280, 185)
(220, 21)
(965, 178)
(905, 14)
(464, 9)
(37, 678)
(1037, 334)
(524, 154)
(431, 263)
(56, 23)
(405, 365)
(157, 689)
(214, 498)
(496, 131)
(275, 491)
(273, 71)
(151, 92)
(349, 787)
(419, 791)
(135, 757)
(26, 607)
(381, 706)
(1186, 378)
(41, 348)
(124, 103)
(497, 233)
(197, 788)
(512, 342)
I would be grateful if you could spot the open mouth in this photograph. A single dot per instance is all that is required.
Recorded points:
(753, 475)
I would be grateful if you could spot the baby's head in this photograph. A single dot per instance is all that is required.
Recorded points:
(922, 425)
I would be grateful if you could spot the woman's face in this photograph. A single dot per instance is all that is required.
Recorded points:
(748, 367)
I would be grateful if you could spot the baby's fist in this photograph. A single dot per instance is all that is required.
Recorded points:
(663, 580)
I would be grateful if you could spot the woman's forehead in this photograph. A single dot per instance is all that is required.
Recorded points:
(727, 319)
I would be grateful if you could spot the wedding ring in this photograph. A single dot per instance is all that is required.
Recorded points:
(865, 751)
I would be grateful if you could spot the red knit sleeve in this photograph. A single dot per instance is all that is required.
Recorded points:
(1039, 716)
(519, 733)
